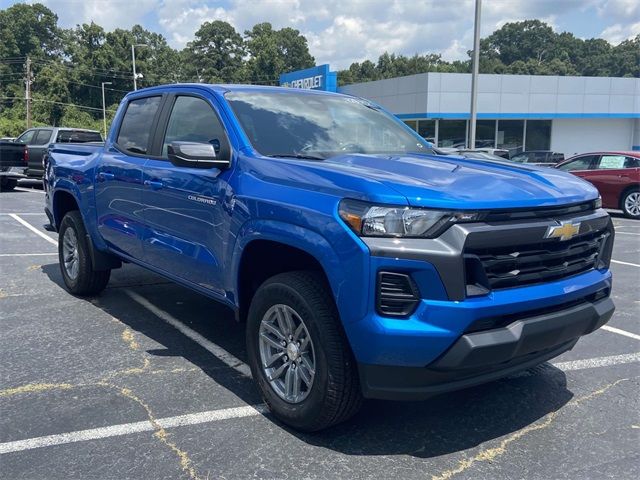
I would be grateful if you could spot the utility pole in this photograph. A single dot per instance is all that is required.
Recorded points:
(133, 59)
(104, 109)
(474, 76)
(27, 82)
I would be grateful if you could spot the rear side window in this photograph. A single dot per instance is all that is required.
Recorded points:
(78, 136)
(42, 137)
(632, 162)
(608, 162)
(135, 130)
(193, 120)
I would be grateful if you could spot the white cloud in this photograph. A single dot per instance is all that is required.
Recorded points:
(342, 31)
(618, 33)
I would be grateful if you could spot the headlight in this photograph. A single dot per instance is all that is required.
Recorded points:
(597, 203)
(370, 220)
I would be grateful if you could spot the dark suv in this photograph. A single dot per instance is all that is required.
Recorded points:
(38, 139)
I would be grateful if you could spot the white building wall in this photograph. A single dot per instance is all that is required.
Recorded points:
(579, 135)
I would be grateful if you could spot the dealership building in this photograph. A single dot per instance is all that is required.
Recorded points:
(515, 112)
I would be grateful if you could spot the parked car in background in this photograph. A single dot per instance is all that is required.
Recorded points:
(616, 175)
(539, 157)
(38, 139)
(13, 162)
(7, 139)
(498, 152)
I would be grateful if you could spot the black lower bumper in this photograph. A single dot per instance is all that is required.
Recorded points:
(480, 357)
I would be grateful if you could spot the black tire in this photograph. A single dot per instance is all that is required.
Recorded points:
(335, 392)
(623, 203)
(8, 184)
(87, 281)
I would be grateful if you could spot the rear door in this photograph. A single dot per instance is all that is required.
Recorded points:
(118, 177)
(37, 147)
(611, 174)
(185, 211)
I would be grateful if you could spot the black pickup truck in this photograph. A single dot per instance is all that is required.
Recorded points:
(14, 158)
(38, 140)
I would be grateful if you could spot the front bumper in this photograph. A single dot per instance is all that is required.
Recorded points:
(455, 337)
(483, 356)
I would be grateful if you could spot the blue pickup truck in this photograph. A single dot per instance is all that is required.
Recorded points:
(364, 265)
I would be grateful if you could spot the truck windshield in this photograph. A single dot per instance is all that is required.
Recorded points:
(303, 125)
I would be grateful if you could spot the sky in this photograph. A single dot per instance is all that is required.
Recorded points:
(344, 31)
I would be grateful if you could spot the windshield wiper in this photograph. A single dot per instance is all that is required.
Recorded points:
(296, 155)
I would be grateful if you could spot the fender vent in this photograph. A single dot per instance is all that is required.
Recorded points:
(396, 295)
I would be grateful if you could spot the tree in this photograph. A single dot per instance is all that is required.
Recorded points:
(272, 52)
(216, 54)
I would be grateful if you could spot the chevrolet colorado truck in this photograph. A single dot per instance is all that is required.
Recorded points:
(364, 265)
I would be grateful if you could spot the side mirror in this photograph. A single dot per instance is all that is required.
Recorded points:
(197, 155)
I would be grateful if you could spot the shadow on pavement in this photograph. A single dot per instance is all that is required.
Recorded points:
(445, 424)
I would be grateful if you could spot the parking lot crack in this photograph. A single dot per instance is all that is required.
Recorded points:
(490, 454)
(35, 388)
(186, 464)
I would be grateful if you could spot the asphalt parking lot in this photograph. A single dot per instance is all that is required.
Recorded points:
(148, 381)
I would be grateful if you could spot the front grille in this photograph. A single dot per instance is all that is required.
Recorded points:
(513, 266)
(397, 295)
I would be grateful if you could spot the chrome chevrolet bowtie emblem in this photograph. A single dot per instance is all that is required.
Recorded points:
(564, 231)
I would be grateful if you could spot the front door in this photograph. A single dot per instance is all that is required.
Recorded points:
(118, 178)
(185, 212)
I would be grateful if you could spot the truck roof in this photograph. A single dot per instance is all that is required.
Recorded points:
(223, 88)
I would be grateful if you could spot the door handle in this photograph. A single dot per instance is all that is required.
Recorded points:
(154, 184)
(105, 176)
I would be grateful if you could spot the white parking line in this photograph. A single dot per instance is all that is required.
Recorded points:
(598, 362)
(236, 412)
(628, 233)
(21, 189)
(620, 332)
(34, 229)
(27, 254)
(129, 428)
(22, 213)
(216, 350)
(625, 263)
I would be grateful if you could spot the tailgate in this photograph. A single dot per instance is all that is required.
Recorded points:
(12, 155)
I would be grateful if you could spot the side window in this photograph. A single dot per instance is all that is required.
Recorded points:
(135, 130)
(581, 163)
(42, 137)
(193, 120)
(26, 137)
(609, 162)
(632, 162)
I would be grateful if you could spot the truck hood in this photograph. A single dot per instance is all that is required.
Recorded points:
(460, 183)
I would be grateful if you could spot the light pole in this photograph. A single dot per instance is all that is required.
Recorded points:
(474, 76)
(133, 59)
(104, 109)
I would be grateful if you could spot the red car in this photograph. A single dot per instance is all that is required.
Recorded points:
(616, 175)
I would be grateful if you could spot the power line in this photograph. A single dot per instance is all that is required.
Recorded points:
(56, 103)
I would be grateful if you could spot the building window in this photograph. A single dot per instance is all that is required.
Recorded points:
(452, 133)
(538, 135)
(511, 135)
(485, 134)
(427, 130)
(413, 124)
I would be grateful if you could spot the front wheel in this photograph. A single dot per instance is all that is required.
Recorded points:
(298, 353)
(75, 259)
(630, 204)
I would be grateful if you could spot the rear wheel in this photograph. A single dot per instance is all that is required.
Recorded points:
(75, 259)
(630, 204)
(298, 353)
(8, 184)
